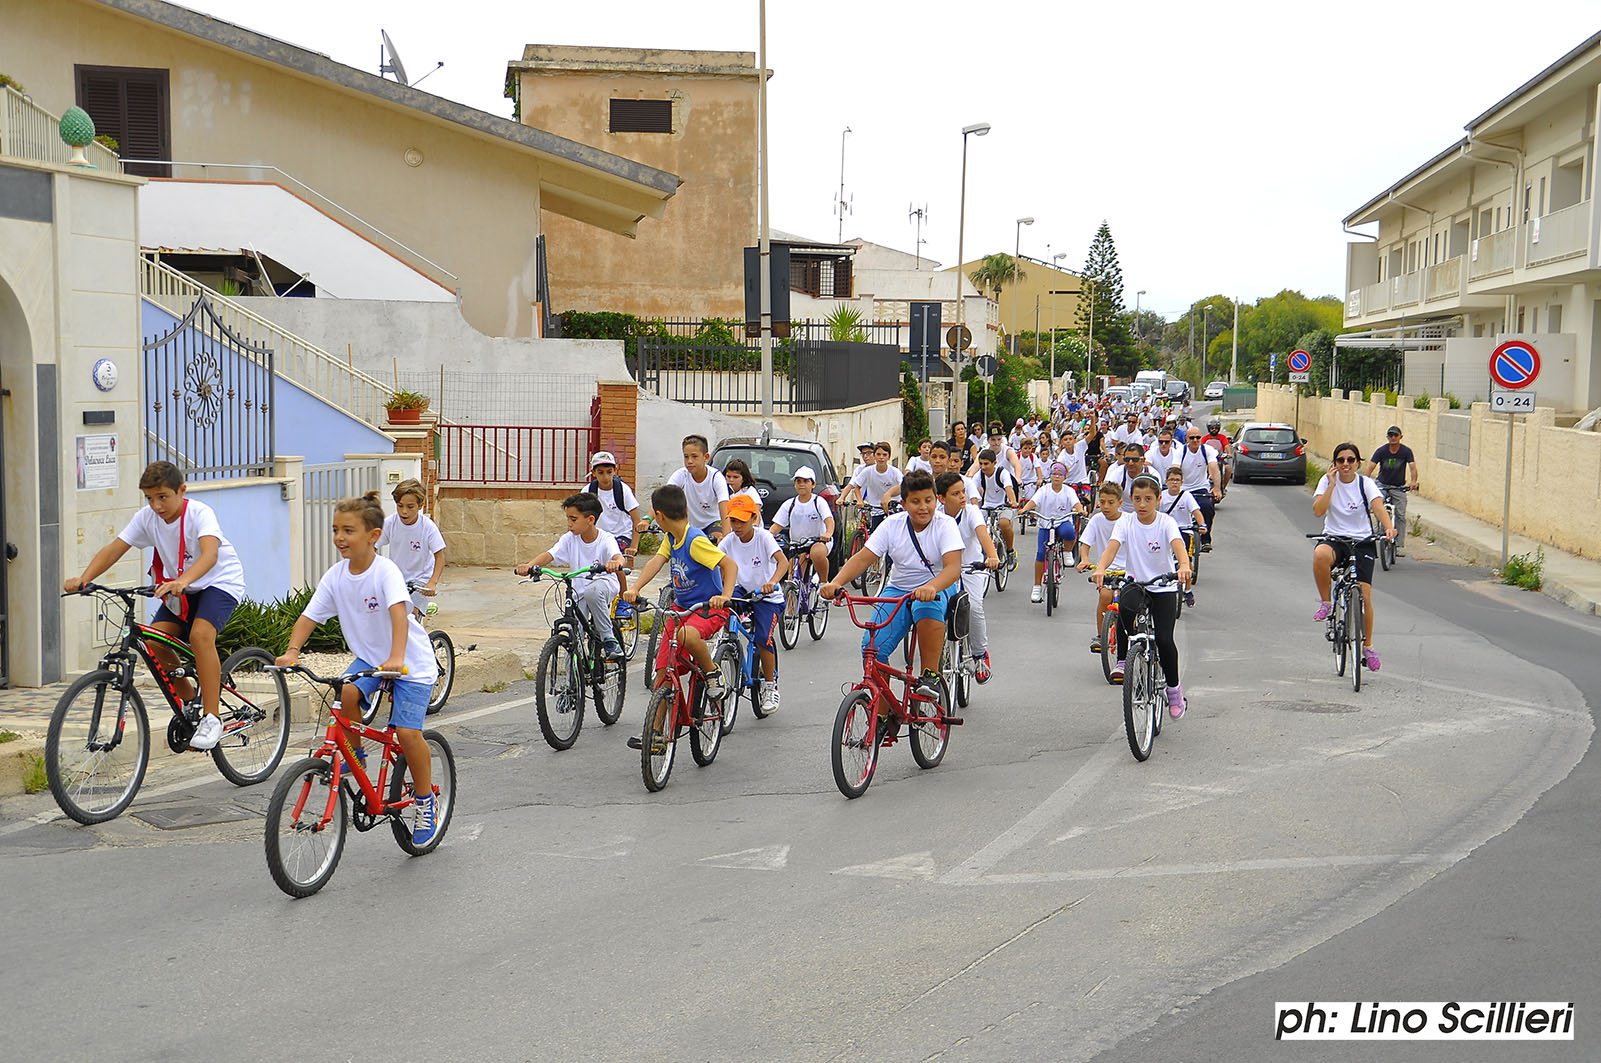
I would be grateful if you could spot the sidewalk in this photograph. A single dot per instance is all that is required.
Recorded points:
(1572, 580)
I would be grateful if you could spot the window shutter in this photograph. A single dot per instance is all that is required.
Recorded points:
(641, 116)
(130, 105)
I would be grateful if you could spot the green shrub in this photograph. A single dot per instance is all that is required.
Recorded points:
(1456, 403)
(34, 779)
(268, 624)
(1314, 472)
(1525, 570)
(8, 736)
(1421, 402)
(914, 415)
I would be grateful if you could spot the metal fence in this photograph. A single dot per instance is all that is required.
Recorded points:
(504, 398)
(808, 375)
(209, 399)
(867, 332)
(1385, 375)
(321, 489)
(28, 131)
(516, 454)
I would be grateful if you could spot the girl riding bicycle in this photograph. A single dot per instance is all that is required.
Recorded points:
(1056, 504)
(1344, 498)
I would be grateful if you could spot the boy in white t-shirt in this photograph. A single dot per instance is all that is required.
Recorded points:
(582, 546)
(875, 484)
(976, 546)
(704, 487)
(1097, 533)
(1185, 511)
(415, 545)
(807, 516)
(761, 566)
(197, 575)
(619, 513)
(920, 462)
(368, 594)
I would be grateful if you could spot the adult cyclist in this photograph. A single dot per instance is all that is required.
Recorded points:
(1218, 441)
(1397, 474)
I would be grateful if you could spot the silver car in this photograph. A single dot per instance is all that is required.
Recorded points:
(1267, 450)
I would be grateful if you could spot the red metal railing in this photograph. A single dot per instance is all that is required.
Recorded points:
(516, 454)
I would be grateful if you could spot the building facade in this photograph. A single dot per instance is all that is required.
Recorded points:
(1053, 290)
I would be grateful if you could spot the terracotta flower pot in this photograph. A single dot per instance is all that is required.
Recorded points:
(405, 416)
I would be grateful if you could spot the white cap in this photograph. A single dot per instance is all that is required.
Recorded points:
(602, 457)
(805, 472)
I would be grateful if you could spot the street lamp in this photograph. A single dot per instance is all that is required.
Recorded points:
(1137, 319)
(840, 205)
(976, 129)
(1054, 260)
(1017, 248)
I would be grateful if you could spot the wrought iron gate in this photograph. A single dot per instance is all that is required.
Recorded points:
(209, 399)
(5, 558)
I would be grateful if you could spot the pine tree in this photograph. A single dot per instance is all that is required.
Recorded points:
(1103, 278)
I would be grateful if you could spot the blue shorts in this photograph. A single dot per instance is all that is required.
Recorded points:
(1064, 534)
(888, 638)
(764, 623)
(408, 700)
(208, 604)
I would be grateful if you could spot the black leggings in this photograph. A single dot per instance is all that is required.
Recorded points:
(1164, 614)
(1208, 510)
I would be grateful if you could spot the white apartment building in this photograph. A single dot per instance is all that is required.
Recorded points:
(1493, 238)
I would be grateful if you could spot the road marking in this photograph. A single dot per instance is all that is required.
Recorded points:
(764, 858)
(1285, 863)
(473, 832)
(907, 867)
(1044, 814)
(609, 849)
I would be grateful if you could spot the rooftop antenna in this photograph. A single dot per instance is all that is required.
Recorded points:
(389, 62)
(842, 204)
(921, 214)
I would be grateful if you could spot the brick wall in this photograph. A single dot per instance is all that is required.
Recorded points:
(619, 425)
(418, 441)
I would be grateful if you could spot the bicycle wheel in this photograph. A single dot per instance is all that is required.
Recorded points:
(96, 748)
(442, 769)
(656, 744)
(1195, 559)
(1385, 558)
(726, 660)
(858, 540)
(445, 658)
(1139, 722)
(872, 578)
(1108, 643)
(930, 733)
(558, 695)
(302, 851)
(1342, 631)
(789, 621)
(1356, 630)
(706, 733)
(658, 620)
(1178, 609)
(626, 627)
(255, 718)
(855, 744)
(1052, 575)
(1004, 571)
(817, 619)
(964, 675)
(611, 683)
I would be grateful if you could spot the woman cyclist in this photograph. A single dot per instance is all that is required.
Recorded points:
(1349, 502)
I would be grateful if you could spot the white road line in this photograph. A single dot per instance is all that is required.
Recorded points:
(1286, 863)
(762, 858)
(907, 867)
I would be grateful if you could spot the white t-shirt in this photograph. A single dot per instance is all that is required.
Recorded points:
(1124, 434)
(1097, 533)
(1182, 507)
(1118, 474)
(1055, 506)
(573, 553)
(1349, 510)
(919, 464)
(756, 562)
(614, 520)
(1196, 476)
(362, 603)
(874, 484)
(146, 531)
(412, 546)
(803, 520)
(989, 490)
(1159, 462)
(703, 496)
(1033, 472)
(750, 493)
(1148, 547)
(893, 539)
(1074, 460)
(968, 522)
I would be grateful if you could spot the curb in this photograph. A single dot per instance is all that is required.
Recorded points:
(15, 759)
(476, 671)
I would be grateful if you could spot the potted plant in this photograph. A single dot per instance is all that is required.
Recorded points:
(406, 407)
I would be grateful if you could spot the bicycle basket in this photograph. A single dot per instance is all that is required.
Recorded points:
(959, 616)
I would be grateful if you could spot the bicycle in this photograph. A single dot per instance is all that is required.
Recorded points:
(875, 575)
(1192, 547)
(1108, 630)
(956, 663)
(801, 598)
(444, 656)
(1002, 572)
(328, 791)
(1056, 562)
(95, 764)
(1347, 622)
(1387, 556)
(677, 706)
(1144, 697)
(738, 658)
(572, 662)
(859, 727)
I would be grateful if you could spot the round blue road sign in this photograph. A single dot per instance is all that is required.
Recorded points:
(1514, 365)
(1300, 361)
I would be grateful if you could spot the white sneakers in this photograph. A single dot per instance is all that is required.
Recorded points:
(769, 698)
(1038, 596)
(208, 734)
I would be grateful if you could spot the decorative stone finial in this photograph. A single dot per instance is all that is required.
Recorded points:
(78, 130)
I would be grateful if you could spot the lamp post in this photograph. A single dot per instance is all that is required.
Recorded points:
(841, 204)
(1054, 260)
(1137, 319)
(976, 129)
(1017, 249)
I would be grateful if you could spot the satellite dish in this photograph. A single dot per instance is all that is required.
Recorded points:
(389, 60)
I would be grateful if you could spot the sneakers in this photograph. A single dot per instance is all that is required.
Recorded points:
(1189, 599)
(1117, 671)
(208, 734)
(433, 607)
(1175, 702)
(1399, 552)
(425, 825)
(1038, 595)
(1370, 657)
(770, 698)
(714, 685)
(1011, 563)
(927, 686)
(1206, 548)
(1323, 611)
(981, 668)
(1095, 644)
(614, 650)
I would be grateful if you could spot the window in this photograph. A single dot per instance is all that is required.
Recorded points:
(641, 116)
(1553, 318)
(130, 105)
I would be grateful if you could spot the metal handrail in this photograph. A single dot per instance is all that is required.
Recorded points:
(28, 131)
(345, 211)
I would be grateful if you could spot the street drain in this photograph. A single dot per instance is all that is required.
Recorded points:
(197, 814)
(1309, 706)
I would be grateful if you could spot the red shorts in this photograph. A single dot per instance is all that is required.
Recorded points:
(708, 624)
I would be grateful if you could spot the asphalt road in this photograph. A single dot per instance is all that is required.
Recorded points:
(1038, 896)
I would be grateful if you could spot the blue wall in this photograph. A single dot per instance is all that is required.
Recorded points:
(255, 519)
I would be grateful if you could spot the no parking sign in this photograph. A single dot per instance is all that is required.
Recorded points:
(1300, 367)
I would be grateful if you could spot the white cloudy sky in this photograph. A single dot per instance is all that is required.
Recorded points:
(1223, 142)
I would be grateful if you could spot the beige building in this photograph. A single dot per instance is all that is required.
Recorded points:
(1054, 288)
(457, 193)
(691, 113)
(1494, 237)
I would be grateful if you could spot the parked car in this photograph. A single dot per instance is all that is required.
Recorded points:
(773, 464)
(1215, 389)
(1178, 390)
(1265, 450)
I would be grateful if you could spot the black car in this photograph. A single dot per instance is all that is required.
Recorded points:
(1269, 450)
(773, 463)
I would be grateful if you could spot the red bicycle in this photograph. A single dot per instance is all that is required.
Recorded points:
(309, 810)
(677, 706)
(872, 715)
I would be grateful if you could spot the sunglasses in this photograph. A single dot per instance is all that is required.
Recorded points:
(1345, 461)
(1132, 461)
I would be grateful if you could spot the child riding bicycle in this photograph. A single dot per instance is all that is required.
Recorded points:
(581, 546)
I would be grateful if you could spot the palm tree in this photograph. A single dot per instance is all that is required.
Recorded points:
(996, 272)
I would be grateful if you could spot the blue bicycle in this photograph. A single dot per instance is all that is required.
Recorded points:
(800, 597)
(738, 658)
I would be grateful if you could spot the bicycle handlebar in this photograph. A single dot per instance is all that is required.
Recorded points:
(536, 573)
(334, 681)
(147, 591)
(1352, 539)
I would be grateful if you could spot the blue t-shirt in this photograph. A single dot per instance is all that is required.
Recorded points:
(696, 579)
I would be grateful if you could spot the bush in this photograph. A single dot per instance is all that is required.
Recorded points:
(1456, 403)
(1525, 570)
(914, 415)
(268, 624)
(1421, 402)
(1314, 472)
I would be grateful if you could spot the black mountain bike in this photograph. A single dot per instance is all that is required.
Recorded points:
(1144, 694)
(573, 664)
(1348, 619)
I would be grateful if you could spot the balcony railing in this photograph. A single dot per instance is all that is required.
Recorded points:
(1406, 289)
(1445, 278)
(1561, 234)
(1493, 254)
(1376, 298)
(28, 131)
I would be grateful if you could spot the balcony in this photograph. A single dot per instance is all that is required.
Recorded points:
(1445, 278)
(1375, 298)
(28, 131)
(1405, 289)
(1492, 255)
(1561, 234)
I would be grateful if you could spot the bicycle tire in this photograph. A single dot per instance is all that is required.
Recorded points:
(727, 661)
(789, 620)
(817, 619)
(1358, 639)
(930, 734)
(1109, 644)
(706, 732)
(1195, 560)
(558, 695)
(255, 729)
(1052, 574)
(1002, 572)
(657, 743)
(445, 657)
(1342, 632)
(858, 541)
(1138, 722)
(872, 578)
(658, 621)
(610, 687)
(442, 768)
(964, 678)
(1385, 560)
(854, 750)
(305, 866)
(66, 738)
(1178, 610)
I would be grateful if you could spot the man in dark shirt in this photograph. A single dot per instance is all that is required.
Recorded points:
(1397, 474)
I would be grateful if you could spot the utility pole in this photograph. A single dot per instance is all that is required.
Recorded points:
(764, 247)
(841, 203)
(1234, 358)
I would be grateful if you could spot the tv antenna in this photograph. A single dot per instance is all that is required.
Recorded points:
(389, 62)
(842, 205)
(921, 214)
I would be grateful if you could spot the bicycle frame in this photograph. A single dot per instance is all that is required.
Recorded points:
(876, 674)
(342, 764)
(749, 654)
(687, 683)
